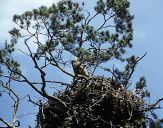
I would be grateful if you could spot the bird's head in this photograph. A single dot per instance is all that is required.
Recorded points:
(74, 60)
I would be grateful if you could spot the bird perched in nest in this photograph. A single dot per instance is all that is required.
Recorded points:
(79, 68)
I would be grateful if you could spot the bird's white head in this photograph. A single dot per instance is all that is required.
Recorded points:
(75, 59)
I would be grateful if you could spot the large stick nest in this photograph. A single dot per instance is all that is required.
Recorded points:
(98, 103)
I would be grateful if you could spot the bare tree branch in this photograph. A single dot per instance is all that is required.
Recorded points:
(152, 106)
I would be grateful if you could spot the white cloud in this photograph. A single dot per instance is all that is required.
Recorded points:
(11, 7)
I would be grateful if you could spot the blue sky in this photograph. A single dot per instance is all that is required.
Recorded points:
(148, 36)
(148, 26)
